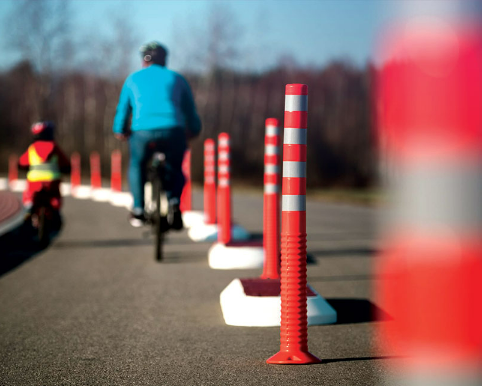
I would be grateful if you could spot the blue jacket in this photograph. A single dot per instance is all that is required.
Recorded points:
(158, 98)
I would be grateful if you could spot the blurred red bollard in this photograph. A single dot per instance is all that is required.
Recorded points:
(271, 200)
(75, 172)
(12, 168)
(209, 189)
(224, 193)
(185, 201)
(429, 99)
(95, 161)
(293, 291)
(116, 171)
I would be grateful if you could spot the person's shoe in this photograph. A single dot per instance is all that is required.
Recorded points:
(137, 220)
(175, 220)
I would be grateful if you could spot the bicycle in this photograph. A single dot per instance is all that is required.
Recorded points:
(44, 218)
(156, 216)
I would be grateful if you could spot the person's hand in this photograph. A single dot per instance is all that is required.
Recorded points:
(121, 136)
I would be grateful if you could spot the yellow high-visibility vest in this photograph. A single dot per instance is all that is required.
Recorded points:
(42, 170)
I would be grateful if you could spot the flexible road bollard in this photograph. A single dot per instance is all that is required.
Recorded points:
(430, 261)
(224, 192)
(217, 202)
(116, 171)
(271, 200)
(75, 170)
(209, 189)
(257, 301)
(227, 253)
(190, 217)
(98, 193)
(293, 292)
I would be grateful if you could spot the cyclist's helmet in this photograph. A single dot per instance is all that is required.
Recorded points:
(43, 130)
(153, 52)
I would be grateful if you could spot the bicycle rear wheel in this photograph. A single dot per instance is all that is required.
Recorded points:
(43, 227)
(157, 220)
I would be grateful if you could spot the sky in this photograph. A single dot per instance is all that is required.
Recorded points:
(312, 32)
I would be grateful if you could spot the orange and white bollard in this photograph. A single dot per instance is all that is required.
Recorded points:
(75, 170)
(257, 301)
(208, 230)
(293, 288)
(116, 171)
(190, 217)
(97, 192)
(227, 253)
(271, 200)
(429, 100)
(209, 189)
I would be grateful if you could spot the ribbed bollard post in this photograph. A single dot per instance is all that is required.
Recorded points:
(116, 171)
(12, 169)
(293, 292)
(209, 189)
(271, 200)
(224, 199)
(75, 173)
(95, 162)
(185, 204)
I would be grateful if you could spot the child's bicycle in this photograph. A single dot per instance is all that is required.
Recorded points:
(44, 218)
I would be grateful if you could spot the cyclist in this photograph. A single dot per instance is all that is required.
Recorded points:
(164, 115)
(45, 162)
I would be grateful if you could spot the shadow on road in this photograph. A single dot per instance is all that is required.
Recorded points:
(19, 246)
(329, 253)
(356, 310)
(360, 358)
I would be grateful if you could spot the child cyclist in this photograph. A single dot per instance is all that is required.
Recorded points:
(45, 162)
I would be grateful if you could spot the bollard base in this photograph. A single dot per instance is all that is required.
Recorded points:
(255, 302)
(192, 218)
(65, 189)
(203, 232)
(101, 194)
(121, 199)
(236, 255)
(81, 192)
(3, 184)
(294, 357)
(18, 185)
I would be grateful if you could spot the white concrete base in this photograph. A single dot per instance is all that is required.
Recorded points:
(121, 199)
(101, 194)
(248, 311)
(81, 192)
(3, 184)
(221, 256)
(65, 189)
(18, 185)
(203, 232)
(192, 218)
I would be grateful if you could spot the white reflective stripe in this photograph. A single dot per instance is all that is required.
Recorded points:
(210, 158)
(224, 182)
(223, 142)
(296, 103)
(271, 150)
(271, 130)
(293, 202)
(294, 169)
(209, 179)
(294, 136)
(224, 156)
(209, 168)
(209, 147)
(271, 168)
(271, 188)
(224, 169)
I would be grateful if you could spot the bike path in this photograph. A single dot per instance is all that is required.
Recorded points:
(95, 308)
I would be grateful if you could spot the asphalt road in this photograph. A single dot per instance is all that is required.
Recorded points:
(95, 308)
